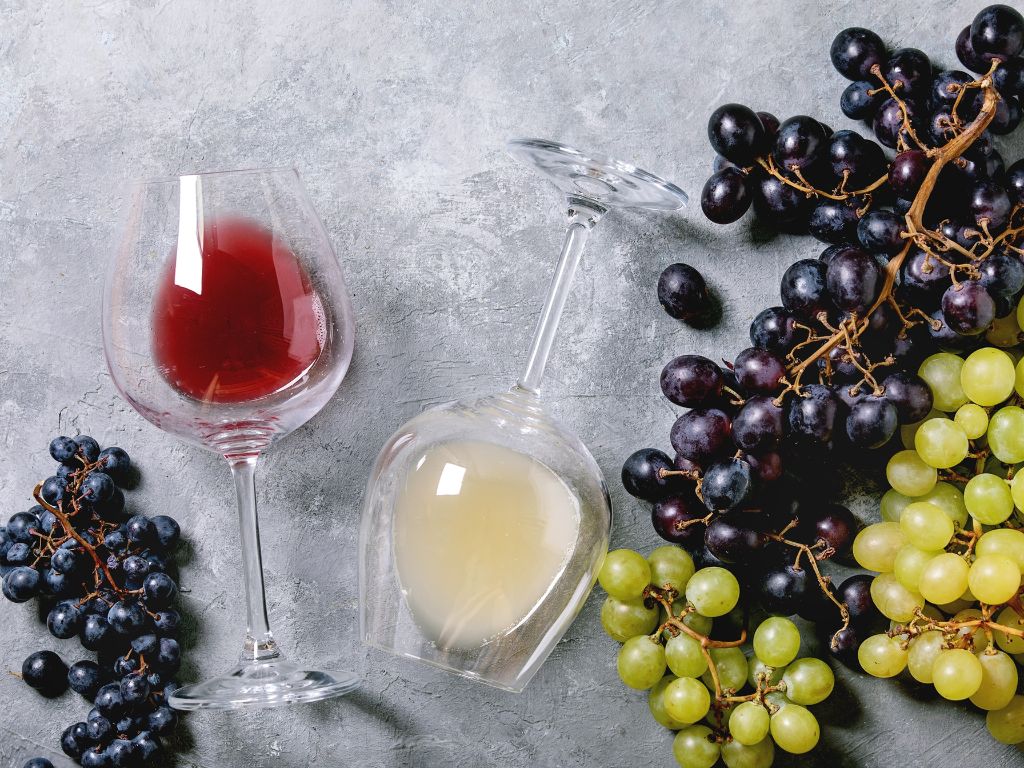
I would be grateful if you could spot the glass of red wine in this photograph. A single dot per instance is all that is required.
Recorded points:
(226, 321)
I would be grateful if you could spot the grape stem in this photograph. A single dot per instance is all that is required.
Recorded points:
(951, 627)
(812, 558)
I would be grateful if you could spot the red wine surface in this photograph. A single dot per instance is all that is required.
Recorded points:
(235, 318)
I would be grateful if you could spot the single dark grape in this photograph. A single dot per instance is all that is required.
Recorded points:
(908, 71)
(141, 530)
(167, 530)
(970, 58)
(1002, 274)
(907, 172)
(854, 281)
(84, 678)
(1009, 78)
(946, 338)
(990, 203)
(97, 634)
(888, 122)
(998, 30)
(855, 50)
(65, 619)
(38, 762)
(945, 90)
(783, 589)
(640, 475)
(803, 290)
(771, 125)
(880, 232)
(860, 100)
(74, 740)
(20, 526)
(834, 221)
(97, 487)
(162, 720)
(798, 143)
(21, 584)
(812, 415)
(88, 448)
(46, 672)
(691, 380)
(833, 524)
(757, 427)
(843, 646)
(777, 202)
(871, 422)
(702, 434)
(759, 370)
(767, 466)
(669, 515)
(726, 196)
(63, 449)
(146, 746)
(1015, 181)
(1007, 118)
(774, 329)
(53, 490)
(923, 275)
(856, 593)
(736, 133)
(727, 484)
(160, 590)
(683, 293)
(733, 539)
(968, 308)
(910, 394)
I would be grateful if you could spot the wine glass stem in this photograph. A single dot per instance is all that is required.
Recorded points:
(259, 642)
(582, 219)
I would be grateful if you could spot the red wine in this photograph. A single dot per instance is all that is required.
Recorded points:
(236, 319)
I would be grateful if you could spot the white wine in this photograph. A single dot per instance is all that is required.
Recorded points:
(481, 533)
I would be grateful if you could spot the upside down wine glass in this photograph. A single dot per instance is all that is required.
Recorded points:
(226, 322)
(485, 521)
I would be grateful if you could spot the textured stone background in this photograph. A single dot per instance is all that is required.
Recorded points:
(395, 113)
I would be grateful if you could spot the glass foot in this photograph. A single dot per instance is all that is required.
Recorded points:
(596, 178)
(264, 684)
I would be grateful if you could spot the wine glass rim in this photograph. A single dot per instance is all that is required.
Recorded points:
(277, 169)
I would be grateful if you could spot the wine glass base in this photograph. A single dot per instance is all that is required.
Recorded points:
(597, 179)
(257, 685)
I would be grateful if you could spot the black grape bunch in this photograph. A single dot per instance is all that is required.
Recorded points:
(924, 230)
(107, 579)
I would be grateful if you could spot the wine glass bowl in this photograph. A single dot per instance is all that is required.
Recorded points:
(485, 521)
(226, 321)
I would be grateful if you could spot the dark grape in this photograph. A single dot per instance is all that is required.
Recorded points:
(888, 122)
(683, 293)
(946, 89)
(757, 427)
(46, 672)
(691, 380)
(967, 308)
(812, 415)
(908, 71)
(1007, 118)
(989, 203)
(84, 678)
(767, 466)
(855, 51)
(774, 329)
(860, 100)
(907, 172)
(871, 422)
(759, 370)
(726, 196)
(115, 462)
(910, 394)
(701, 434)
(1009, 78)
(63, 449)
(726, 485)
(736, 133)
(923, 275)
(778, 202)
(970, 58)
(21, 584)
(160, 590)
(88, 448)
(881, 232)
(804, 291)
(771, 125)
(65, 619)
(856, 593)
(732, 539)
(854, 280)
(1002, 274)
(843, 646)
(834, 221)
(167, 531)
(834, 525)
(640, 475)
(669, 515)
(798, 143)
(785, 590)
(998, 30)
(97, 487)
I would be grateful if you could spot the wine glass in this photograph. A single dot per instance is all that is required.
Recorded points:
(226, 321)
(485, 521)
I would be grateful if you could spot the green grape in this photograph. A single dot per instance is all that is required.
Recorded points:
(656, 703)
(713, 591)
(686, 700)
(1017, 490)
(876, 546)
(961, 617)
(955, 606)
(749, 723)
(910, 564)
(795, 729)
(670, 565)
(695, 747)
(894, 600)
(1004, 332)
(892, 505)
(1010, 643)
(757, 667)
(926, 526)
(922, 653)
(882, 656)
(1007, 724)
(760, 755)
(641, 662)
(987, 376)
(956, 674)
(949, 499)
(623, 620)
(808, 681)
(1006, 434)
(731, 666)
(909, 431)
(942, 373)
(941, 443)
(994, 579)
(988, 499)
(998, 681)
(944, 578)
(1002, 541)
(685, 657)
(625, 574)
(1018, 383)
(776, 641)
(778, 699)
(909, 475)
(973, 420)
(698, 623)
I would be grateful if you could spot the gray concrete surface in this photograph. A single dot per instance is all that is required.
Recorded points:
(395, 113)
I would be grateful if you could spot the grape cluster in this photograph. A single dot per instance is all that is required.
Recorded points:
(107, 579)
(722, 704)
(950, 550)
